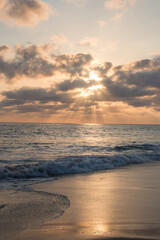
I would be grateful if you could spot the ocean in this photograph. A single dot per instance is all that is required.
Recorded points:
(32, 152)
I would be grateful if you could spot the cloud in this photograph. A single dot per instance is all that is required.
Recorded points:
(137, 84)
(24, 12)
(84, 84)
(59, 39)
(3, 50)
(116, 4)
(2, 4)
(40, 108)
(36, 61)
(89, 41)
(73, 64)
(28, 61)
(146, 79)
(62, 42)
(155, 54)
(68, 85)
(119, 4)
(101, 23)
(42, 101)
(121, 91)
(34, 95)
(117, 16)
(102, 70)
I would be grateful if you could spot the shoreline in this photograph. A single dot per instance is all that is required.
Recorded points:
(22, 209)
(115, 204)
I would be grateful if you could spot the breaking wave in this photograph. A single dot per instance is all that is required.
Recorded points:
(120, 156)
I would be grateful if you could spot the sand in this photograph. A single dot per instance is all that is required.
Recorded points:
(117, 204)
(21, 210)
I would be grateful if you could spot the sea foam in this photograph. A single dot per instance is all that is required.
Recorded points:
(86, 163)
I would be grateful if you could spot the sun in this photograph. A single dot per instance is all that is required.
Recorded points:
(91, 90)
(94, 88)
(94, 76)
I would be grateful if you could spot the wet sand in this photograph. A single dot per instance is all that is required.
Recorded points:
(118, 204)
(21, 210)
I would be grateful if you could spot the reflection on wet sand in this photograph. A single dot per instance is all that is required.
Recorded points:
(120, 203)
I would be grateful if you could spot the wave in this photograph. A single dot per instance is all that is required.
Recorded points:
(76, 164)
(137, 147)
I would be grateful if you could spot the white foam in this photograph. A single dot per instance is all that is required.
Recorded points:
(77, 164)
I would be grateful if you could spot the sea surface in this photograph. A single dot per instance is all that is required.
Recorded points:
(30, 152)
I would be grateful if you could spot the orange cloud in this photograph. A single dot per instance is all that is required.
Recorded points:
(117, 16)
(101, 23)
(24, 13)
(120, 6)
(116, 4)
(119, 90)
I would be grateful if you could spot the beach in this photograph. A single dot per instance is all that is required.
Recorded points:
(79, 120)
(115, 204)
(21, 210)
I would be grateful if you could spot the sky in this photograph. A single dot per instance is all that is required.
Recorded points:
(80, 61)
